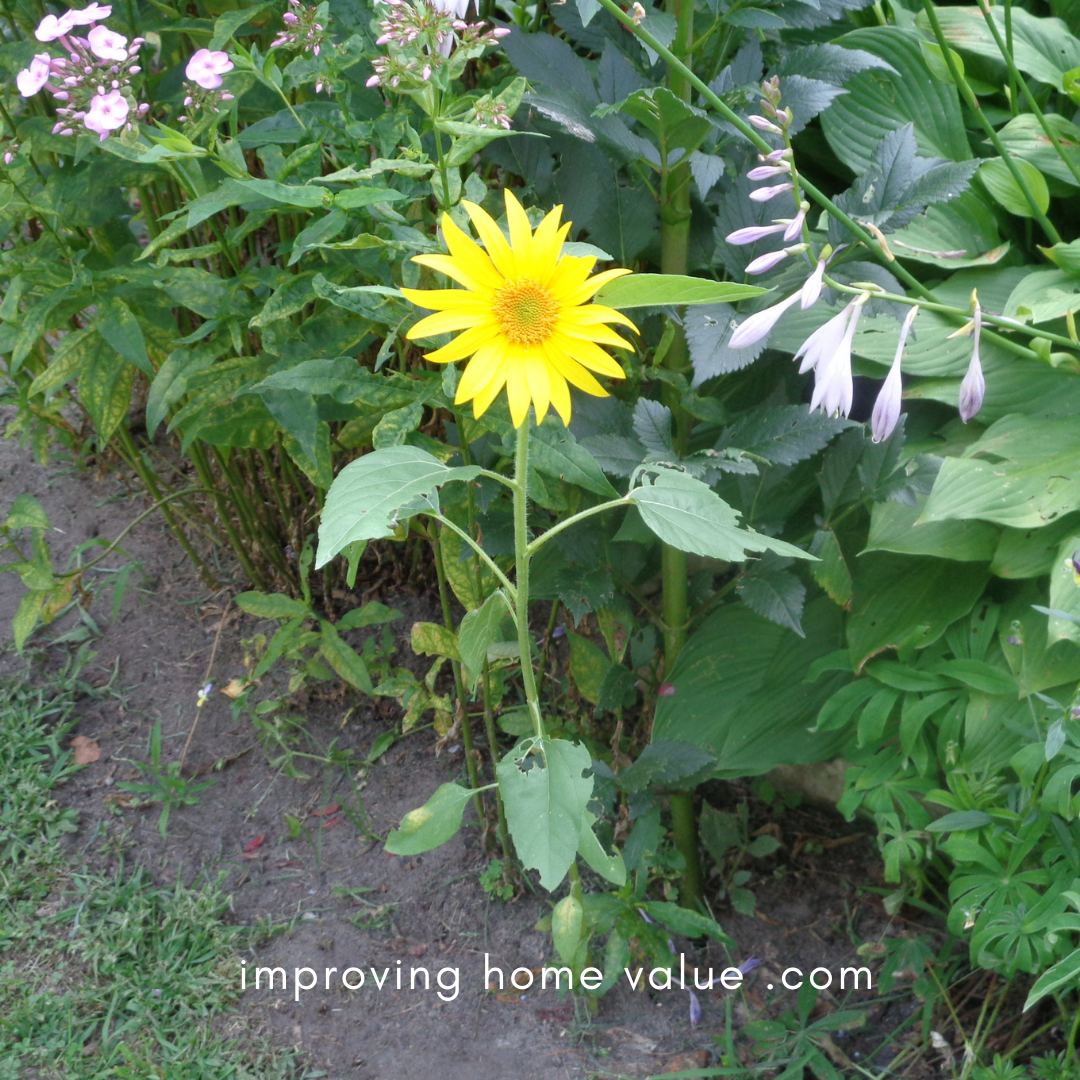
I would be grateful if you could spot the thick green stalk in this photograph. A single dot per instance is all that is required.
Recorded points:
(521, 570)
(675, 259)
(459, 681)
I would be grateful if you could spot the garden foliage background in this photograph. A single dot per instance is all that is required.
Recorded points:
(201, 281)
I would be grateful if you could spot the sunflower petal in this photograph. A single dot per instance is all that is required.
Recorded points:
(594, 285)
(560, 392)
(603, 334)
(497, 248)
(575, 374)
(517, 390)
(520, 232)
(591, 314)
(594, 358)
(536, 373)
(445, 264)
(482, 401)
(445, 322)
(470, 255)
(465, 344)
(485, 365)
(446, 299)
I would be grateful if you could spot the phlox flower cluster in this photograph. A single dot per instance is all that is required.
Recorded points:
(302, 29)
(92, 82)
(205, 70)
(827, 351)
(421, 36)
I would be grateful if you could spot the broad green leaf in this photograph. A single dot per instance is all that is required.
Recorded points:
(1065, 590)
(27, 513)
(346, 661)
(896, 527)
(371, 614)
(1030, 476)
(836, 713)
(170, 382)
(1030, 553)
(105, 387)
(26, 617)
(690, 516)
(831, 571)
(881, 101)
(271, 605)
(666, 763)
(226, 26)
(1043, 48)
(1044, 295)
(588, 666)
(432, 824)
(979, 676)
(1022, 634)
(773, 591)
(610, 867)
(397, 425)
(1001, 183)
(69, 360)
(556, 453)
(119, 327)
(566, 923)
(784, 435)
(434, 639)
(1023, 137)
(739, 691)
(906, 602)
(952, 235)
(545, 796)
(653, 290)
(478, 630)
(367, 495)
(366, 196)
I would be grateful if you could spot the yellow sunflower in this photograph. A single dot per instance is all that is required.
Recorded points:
(525, 312)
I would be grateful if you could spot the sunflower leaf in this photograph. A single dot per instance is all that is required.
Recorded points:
(655, 290)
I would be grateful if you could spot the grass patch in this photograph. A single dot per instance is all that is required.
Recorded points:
(104, 975)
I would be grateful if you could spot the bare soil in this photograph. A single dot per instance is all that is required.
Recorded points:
(343, 902)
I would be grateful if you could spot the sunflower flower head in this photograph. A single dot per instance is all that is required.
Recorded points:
(524, 313)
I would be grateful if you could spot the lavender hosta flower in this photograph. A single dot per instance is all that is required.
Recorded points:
(753, 328)
(763, 263)
(764, 194)
(823, 342)
(753, 233)
(87, 15)
(811, 289)
(206, 67)
(106, 44)
(764, 124)
(767, 172)
(30, 80)
(795, 225)
(107, 112)
(973, 388)
(887, 406)
(50, 28)
(833, 385)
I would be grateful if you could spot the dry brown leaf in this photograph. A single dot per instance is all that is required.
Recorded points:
(85, 750)
(235, 688)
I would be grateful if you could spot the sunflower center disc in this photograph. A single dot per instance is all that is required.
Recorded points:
(526, 311)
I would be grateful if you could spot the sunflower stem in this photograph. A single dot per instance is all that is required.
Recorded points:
(522, 558)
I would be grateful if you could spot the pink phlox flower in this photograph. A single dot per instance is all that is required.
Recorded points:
(206, 68)
(50, 28)
(94, 13)
(106, 44)
(107, 112)
(30, 80)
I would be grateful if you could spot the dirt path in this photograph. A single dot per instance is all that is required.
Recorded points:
(343, 902)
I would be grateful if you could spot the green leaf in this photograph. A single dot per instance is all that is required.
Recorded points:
(896, 527)
(27, 513)
(434, 639)
(960, 821)
(1023, 137)
(610, 867)
(960, 233)
(666, 763)
(479, 630)
(397, 425)
(837, 712)
(653, 290)
(432, 824)
(690, 516)
(271, 605)
(684, 921)
(366, 196)
(366, 497)
(881, 101)
(545, 797)
(588, 666)
(26, 618)
(226, 26)
(119, 327)
(906, 602)
(1065, 974)
(784, 435)
(555, 452)
(371, 614)
(1002, 185)
(831, 572)
(346, 662)
(773, 591)
(1030, 553)
(566, 924)
(1031, 475)
(739, 690)
(1065, 591)
(978, 675)
(105, 387)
